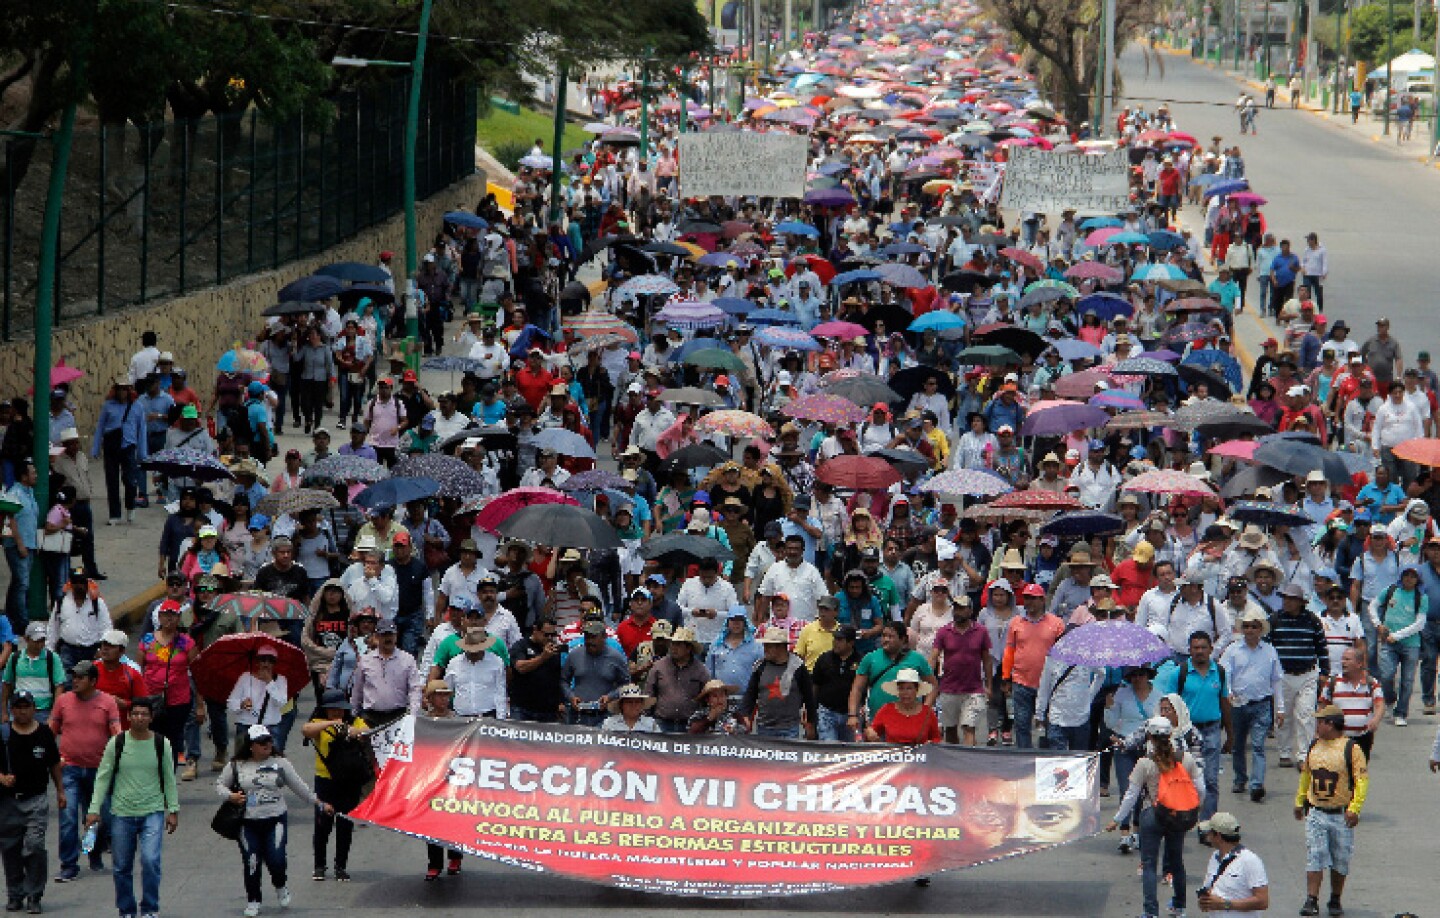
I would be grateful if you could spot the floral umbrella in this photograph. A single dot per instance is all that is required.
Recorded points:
(734, 423)
(1168, 481)
(182, 462)
(501, 508)
(968, 483)
(244, 361)
(1103, 644)
(787, 338)
(294, 501)
(260, 606)
(595, 480)
(1035, 500)
(1094, 270)
(648, 285)
(456, 479)
(827, 409)
(691, 314)
(838, 329)
(344, 468)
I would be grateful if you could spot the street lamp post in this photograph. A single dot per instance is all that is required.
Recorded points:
(557, 165)
(1265, 54)
(1389, 56)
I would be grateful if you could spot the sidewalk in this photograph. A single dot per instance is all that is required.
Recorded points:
(1369, 128)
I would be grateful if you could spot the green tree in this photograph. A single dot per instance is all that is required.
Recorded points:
(1367, 32)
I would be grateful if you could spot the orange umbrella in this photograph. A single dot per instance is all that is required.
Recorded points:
(1424, 450)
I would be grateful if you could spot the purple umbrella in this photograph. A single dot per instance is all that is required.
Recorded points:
(830, 197)
(1162, 354)
(898, 275)
(691, 314)
(595, 480)
(1109, 644)
(718, 260)
(1062, 419)
(1116, 398)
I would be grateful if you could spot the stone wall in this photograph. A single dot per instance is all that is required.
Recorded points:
(201, 326)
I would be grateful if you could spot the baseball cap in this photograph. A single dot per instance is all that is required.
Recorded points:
(258, 732)
(1224, 823)
(386, 627)
(22, 697)
(83, 668)
(115, 638)
(36, 631)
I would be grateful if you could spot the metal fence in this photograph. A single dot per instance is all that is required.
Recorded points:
(158, 210)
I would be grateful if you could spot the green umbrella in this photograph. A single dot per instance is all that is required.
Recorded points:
(711, 359)
(987, 355)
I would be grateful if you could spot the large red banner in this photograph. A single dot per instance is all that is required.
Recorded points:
(721, 816)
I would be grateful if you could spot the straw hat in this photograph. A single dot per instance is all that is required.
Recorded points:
(1013, 561)
(631, 693)
(770, 636)
(715, 685)
(685, 636)
(1253, 538)
(1254, 615)
(906, 675)
(477, 639)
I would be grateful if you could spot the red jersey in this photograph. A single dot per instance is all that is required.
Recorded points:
(908, 730)
(124, 683)
(534, 387)
(631, 634)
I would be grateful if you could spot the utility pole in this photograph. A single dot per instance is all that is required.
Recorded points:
(1265, 43)
(790, 24)
(1107, 69)
(412, 136)
(1312, 58)
(562, 79)
(1340, 57)
(1389, 56)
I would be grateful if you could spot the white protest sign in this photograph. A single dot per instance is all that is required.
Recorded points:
(394, 741)
(987, 178)
(1042, 182)
(739, 163)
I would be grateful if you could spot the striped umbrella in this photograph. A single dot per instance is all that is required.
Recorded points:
(600, 323)
(1035, 500)
(691, 314)
(1050, 283)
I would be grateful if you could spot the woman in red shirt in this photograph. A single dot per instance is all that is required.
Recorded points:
(905, 721)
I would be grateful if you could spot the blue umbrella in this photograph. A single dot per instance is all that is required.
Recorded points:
(772, 317)
(795, 228)
(564, 442)
(896, 249)
(834, 168)
(1062, 420)
(1075, 349)
(467, 220)
(526, 340)
(1219, 362)
(1084, 523)
(310, 289)
(718, 260)
(733, 305)
(858, 276)
(1157, 272)
(938, 320)
(1105, 305)
(356, 271)
(1094, 223)
(1127, 239)
(1228, 187)
(1165, 240)
(697, 344)
(395, 491)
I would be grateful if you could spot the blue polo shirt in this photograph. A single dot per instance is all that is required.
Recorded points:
(1430, 586)
(1202, 693)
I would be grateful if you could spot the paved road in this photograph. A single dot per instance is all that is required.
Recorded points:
(1372, 209)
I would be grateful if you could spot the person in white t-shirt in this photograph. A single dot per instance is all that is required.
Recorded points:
(1235, 882)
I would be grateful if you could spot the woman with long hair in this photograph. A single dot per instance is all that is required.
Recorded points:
(1160, 760)
(325, 630)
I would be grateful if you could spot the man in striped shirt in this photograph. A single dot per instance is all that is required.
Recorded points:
(1299, 641)
(1359, 695)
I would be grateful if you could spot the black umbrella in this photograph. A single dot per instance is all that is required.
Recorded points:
(1020, 340)
(1296, 457)
(696, 456)
(310, 289)
(1195, 375)
(356, 271)
(912, 379)
(665, 248)
(456, 479)
(680, 548)
(596, 246)
(862, 390)
(560, 525)
(947, 220)
(575, 291)
(292, 308)
(989, 239)
(699, 226)
(1234, 427)
(1248, 479)
(1265, 514)
(966, 281)
(1084, 523)
(907, 460)
(353, 294)
(494, 438)
(896, 318)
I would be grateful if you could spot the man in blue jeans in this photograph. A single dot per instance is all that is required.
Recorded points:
(84, 719)
(1257, 683)
(138, 781)
(1430, 634)
(21, 545)
(1202, 683)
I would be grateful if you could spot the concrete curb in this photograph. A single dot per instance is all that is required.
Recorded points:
(129, 611)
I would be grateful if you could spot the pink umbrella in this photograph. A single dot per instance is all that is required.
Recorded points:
(1248, 197)
(1082, 384)
(845, 330)
(1236, 449)
(1100, 236)
(506, 505)
(1166, 481)
(1094, 270)
(61, 375)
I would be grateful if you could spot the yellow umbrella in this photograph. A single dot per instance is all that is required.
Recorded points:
(694, 250)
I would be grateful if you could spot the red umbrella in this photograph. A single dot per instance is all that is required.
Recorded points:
(220, 665)
(503, 507)
(822, 268)
(1035, 500)
(1021, 257)
(859, 473)
(1423, 450)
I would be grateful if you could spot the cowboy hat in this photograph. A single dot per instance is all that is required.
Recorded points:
(906, 675)
(630, 693)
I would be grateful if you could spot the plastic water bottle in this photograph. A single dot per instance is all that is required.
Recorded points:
(87, 844)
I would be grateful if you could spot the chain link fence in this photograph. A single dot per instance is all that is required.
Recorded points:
(159, 210)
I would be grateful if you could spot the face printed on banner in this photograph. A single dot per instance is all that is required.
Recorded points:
(1004, 817)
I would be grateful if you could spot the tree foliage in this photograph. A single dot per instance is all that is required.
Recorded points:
(1064, 39)
(1367, 32)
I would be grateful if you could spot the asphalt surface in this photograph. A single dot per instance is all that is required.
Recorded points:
(1371, 211)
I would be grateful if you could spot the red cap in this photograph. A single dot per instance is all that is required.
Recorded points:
(880, 406)
(386, 255)
(1269, 342)
(401, 536)
(1033, 589)
(409, 376)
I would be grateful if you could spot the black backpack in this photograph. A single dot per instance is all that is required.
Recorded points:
(348, 760)
(161, 760)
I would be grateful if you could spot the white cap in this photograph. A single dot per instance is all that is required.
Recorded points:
(115, 637)
(783, 378)
(166, 357)
(257, 732)
(1297, 391)
(1315, 477)
(945, 549)
(1159, 726)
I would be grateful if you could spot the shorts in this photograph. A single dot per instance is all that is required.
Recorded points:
(967, 710)
(1329, 842)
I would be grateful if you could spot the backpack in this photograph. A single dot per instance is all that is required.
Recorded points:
(1350, 745)
(1177, 802)
(1209, 604)
(348, 761)
(52, 659)
(160, 760)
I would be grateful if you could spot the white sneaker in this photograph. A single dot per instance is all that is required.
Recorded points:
(282, 895)
(1401, 722)
(252, 909)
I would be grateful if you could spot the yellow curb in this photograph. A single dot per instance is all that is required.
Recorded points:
(130, 610)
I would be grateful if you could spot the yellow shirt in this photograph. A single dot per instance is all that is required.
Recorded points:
(813, 641)
(322, 746)
(1325, 779)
